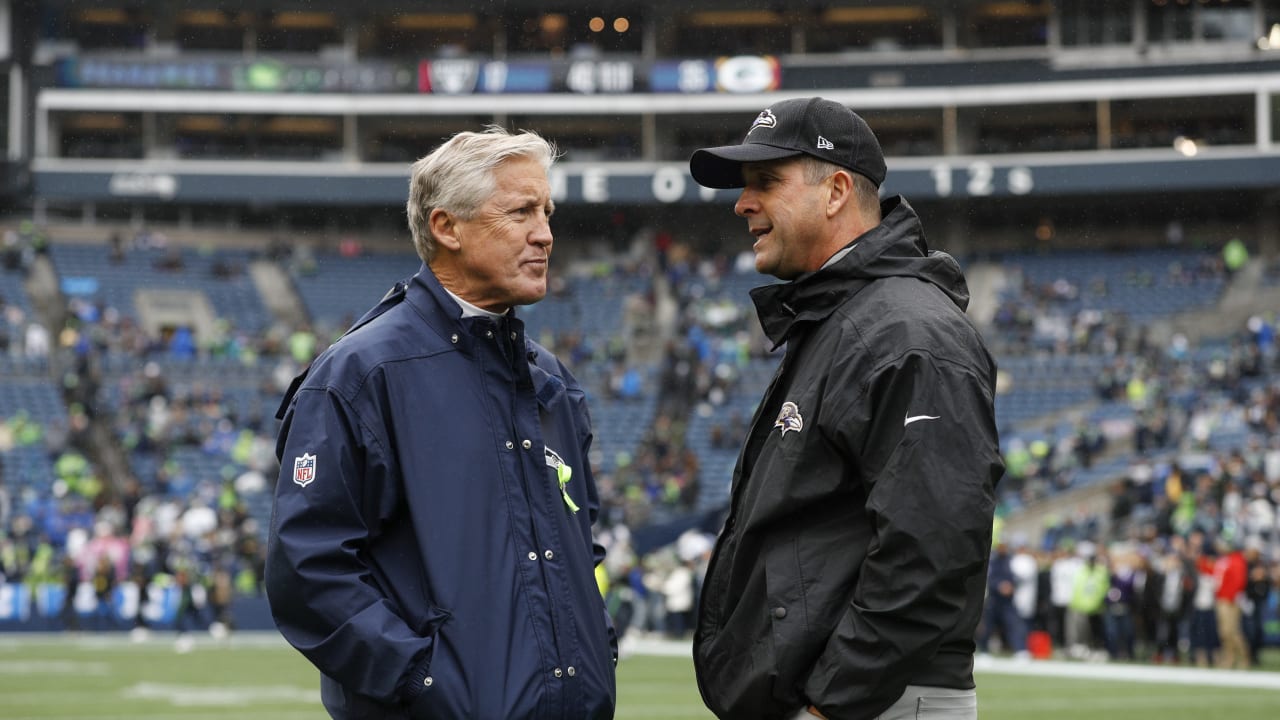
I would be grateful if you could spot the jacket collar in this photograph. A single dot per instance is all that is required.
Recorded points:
(895, 247)
(438, 309)
(443, 310)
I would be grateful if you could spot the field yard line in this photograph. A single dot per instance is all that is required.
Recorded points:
(632, 645)
(13, 641)
(193, 695)
(1110, 703)
(53, 667)
(1043, 668)
(1130, 673)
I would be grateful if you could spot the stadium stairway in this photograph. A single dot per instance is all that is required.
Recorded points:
(986, 281)
(42, 289)
(1245, 295)
(276, 289)
(50, 307)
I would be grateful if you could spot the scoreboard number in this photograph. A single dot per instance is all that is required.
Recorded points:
(981, 177)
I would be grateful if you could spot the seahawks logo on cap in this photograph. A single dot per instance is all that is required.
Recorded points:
(766, 118)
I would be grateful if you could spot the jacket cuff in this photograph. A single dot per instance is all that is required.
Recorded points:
(416, 682)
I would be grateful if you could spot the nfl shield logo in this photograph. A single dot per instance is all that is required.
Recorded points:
(304, 469)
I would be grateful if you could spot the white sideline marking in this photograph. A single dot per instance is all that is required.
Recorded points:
(14, 642)
(193, 695)
(276, 714)
(632, 645)
(52, 667)
(1131, 673)
(1043, 668)
(1108, 706)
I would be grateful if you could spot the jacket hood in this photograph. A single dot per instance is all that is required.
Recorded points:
(894, 248)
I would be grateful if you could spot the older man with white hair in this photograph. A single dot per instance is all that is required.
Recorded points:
(431, 549)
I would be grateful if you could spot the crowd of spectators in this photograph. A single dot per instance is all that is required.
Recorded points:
(1197, 598)
(1185, 564)
(1191, 551)
(179, 512)
(187, 506)
(186, 514)
(1185, 495)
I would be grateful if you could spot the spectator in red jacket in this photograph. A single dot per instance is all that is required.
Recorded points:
(1230, 574)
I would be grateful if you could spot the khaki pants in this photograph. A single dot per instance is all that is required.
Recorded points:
(927, 703)
(1234, 651)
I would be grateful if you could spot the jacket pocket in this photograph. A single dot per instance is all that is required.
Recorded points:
(788, 626)
(348, 705)
(445, 694)
(947, 706)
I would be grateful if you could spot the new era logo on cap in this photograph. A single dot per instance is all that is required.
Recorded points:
(822, 128)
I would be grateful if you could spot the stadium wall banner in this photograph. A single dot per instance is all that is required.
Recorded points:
(15, 602)
(647, 183)
(447, 76)
(237, 74)
(608, 74)
(20, 603)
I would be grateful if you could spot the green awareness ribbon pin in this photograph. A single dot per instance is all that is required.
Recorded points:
(564, 473)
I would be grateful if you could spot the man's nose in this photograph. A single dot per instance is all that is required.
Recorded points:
(746, 203)
(541, 234)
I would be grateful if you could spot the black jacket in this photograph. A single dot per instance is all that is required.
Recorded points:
(853, 560)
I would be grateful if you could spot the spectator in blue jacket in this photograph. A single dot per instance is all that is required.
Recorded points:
(431, 550)
(999, 612)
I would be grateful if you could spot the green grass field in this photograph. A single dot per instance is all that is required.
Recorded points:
(260, 678)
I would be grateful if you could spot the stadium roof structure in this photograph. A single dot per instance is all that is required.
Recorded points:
(1128, 99)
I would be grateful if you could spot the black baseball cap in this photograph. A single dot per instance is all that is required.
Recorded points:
(815, 126)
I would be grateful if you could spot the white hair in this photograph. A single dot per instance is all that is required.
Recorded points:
(458, 176)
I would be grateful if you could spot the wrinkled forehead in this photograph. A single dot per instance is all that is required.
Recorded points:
(521, 174)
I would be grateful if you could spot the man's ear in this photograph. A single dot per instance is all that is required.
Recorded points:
(444, 228)
(842, 191)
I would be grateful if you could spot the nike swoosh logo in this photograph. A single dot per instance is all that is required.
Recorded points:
(914, 418)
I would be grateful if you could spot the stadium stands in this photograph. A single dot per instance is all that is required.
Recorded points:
(1143, 132)
(221, 275)
(337, 290)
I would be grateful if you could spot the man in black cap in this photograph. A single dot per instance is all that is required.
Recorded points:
(848, 579)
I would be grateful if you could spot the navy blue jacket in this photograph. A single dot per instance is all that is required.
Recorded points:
(423, 554)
